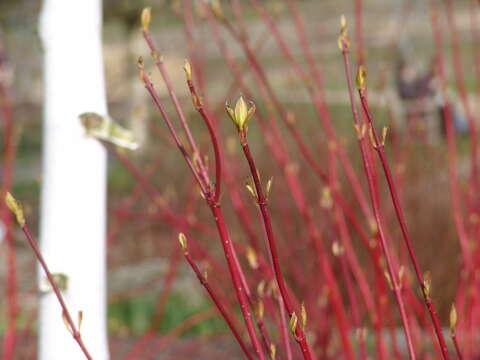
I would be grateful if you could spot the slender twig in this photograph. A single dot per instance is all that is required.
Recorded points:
(316, 94)
(183, 121)
(379, 146)
(360, 47)
(9, 152)
(462, 91)
(204, 282)
(197, 102)
(150, 88)
(451, 141)
(201, 176)
(361, 135)
(240, 117)
(262, 203)
(453, 331)
(16, 209)
(453, 335)
(281, 157)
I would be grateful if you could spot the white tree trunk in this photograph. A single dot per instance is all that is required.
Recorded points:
(73, 214)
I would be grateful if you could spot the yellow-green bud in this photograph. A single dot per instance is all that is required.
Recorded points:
(453, 317)
(146, 17)
(15, 208)
(188, 70)
(293, 323)
(182, 239)
(361, 77)
(343, 42)
(303, 315)
(241, 114)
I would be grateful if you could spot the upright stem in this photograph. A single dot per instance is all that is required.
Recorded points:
(361, 132)
(237, 282)
(202, 182)
(201, 175)
(281, 156)
(65, 313)
(215, 299)
(300, 336)
(462, 91)
(453, 335)
(380, 149)
(315, 94)
(183, 121)
(284, 328)
(451, 141)
(8, 164)
(213, 136)
(360, 47)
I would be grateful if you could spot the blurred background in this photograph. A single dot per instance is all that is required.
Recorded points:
(142, 248)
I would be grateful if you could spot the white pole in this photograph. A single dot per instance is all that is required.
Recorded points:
(72, 226)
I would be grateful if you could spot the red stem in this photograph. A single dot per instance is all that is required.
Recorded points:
(360, 47)
(202, 182)
(9, 150)
(380, 149)
(183, 121)
(213, 136)
(284, 328)
(239, 289)
(315, 94)
(462, 91)
(453, 335)
(66, 314)
(372, 185)
(201, 176)
(203, 281)
(262, 203)
(280, 157)
(475, 37)
(451, 141)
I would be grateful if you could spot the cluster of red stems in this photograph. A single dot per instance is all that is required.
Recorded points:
(351, 311)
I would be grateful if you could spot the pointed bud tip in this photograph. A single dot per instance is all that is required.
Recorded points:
(182, 239)
(293, 323)
(260, 310)
(15, 207)
(66, 322)
(80, 319)
(453, 317)
(146, 17)
(337, 249)
(187, 67)
(216, 8)
(303, 315)
(241, 114)
(361, 77)
(252, 257)
(343, 42)
(273, 351)
(269, 187)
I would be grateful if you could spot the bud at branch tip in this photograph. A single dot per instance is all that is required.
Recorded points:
(16, 208)
(182, 239)
(241, 114)
(361, 77)
(343, 42)
(146, 17)
(453, 317)
(293, 323)
(188, 70)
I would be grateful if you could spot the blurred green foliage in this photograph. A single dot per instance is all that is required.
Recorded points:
(135, 315)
